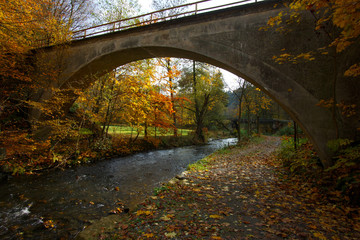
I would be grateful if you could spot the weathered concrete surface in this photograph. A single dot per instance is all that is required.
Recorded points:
(231, 39)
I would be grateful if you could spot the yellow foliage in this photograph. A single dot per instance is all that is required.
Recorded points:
(353, 71)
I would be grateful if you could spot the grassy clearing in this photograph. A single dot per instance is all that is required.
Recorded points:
(127, 130)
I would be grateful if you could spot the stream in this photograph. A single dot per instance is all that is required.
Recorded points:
(76, 197)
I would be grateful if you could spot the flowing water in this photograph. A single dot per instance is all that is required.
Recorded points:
(73, 198)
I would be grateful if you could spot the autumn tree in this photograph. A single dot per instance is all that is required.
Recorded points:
(168, 75)
(250, 103)
(203, 86)
(170, 64)
(256, 102)
(23, 27)
(130, 95)
(240, 93)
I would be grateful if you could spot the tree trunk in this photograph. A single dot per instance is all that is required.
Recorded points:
(99, 95)
(145, 130)
(199, 133)
(239, 122)
(168, 61)
(106, 122)
(295, 135)
(240, 110)
(248, 122)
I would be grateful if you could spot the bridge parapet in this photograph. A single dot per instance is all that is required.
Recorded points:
(149, 18)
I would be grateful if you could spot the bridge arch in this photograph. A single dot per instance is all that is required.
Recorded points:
(229, 39)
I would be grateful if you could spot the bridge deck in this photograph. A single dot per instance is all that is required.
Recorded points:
(163, 15)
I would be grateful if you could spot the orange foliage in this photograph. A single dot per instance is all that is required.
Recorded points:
(22, 25)
(23, 153)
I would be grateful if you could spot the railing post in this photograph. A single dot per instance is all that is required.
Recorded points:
(196, 8)
(85, 33)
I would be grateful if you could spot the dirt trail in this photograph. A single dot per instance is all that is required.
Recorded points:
(238, 196)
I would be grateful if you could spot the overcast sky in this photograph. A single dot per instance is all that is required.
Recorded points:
(230, 79)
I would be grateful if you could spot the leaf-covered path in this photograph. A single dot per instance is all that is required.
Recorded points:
(238, 194)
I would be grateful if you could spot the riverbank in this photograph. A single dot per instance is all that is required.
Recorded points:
(75, 153)
(236, 193)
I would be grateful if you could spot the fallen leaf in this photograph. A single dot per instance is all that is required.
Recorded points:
(149, 235)
(319, 235)
(170, 235)
(215, 216)
(286, 220)
(142, 212)
(312, 227)
(165, 218)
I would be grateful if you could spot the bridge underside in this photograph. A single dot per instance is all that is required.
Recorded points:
(231, 39)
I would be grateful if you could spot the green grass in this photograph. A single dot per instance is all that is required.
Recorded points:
(158, 190)
(203, 164)
(126, 130)
(200, 165)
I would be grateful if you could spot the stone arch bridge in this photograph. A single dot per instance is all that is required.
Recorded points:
(230, 39)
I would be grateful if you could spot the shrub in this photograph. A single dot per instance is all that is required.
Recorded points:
(303, 160)
(346, 172)
(341, 182)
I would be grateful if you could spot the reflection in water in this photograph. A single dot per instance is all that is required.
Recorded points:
(74, 197)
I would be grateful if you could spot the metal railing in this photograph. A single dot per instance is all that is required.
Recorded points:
(151, 18)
